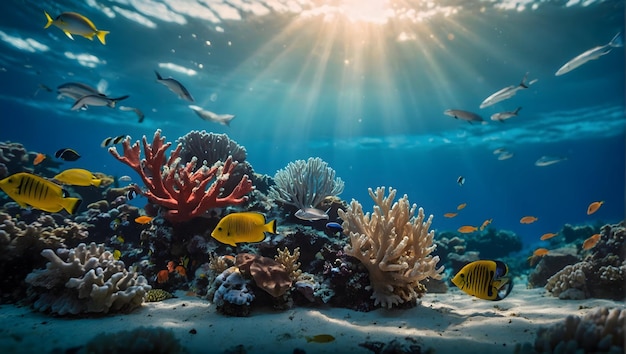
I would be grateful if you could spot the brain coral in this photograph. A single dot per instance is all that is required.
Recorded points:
(85, 279)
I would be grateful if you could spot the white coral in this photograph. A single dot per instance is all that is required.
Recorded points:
(393, 245)
(86, 279)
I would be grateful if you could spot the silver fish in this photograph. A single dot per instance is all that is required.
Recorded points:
(223, 119)
(96, 100)
(502, 116)
(76, 90)
(463, 115)
(507, 92)
(548, 160)
(505, 155)
(175, 87)
(137, 111)
(591, 54)
(311, 214)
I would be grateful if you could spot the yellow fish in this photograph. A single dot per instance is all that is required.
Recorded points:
(320, 338)
(78, 177)
(243, 227)
(27, 189)
(484, 279)
(75, 23)
(117, 254)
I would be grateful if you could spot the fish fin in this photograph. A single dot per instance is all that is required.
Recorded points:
(69, 35)
(89, 36)
(158, 75)
(71, 204)
(500, 120)
(101, 35)
(50, 20)
(271, 226)
(617, 41)
(523, 83)
(96, 182)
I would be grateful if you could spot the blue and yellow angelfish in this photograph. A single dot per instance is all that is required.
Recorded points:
(484, 279)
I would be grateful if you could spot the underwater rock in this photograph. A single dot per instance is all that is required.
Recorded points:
(549, 265)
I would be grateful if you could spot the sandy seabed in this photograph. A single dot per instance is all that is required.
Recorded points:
(448, 323)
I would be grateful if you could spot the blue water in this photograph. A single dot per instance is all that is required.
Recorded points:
(367, 97)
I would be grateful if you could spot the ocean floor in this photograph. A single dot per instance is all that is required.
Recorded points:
(448, 323)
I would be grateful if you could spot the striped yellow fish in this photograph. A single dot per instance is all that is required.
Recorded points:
(484, 279)
(78, 177)
(243, 227)
(30, 190)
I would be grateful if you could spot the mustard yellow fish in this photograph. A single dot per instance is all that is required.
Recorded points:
(30, 190)
(484, 279)
(243, 227)
(78, 177)
(75, 23)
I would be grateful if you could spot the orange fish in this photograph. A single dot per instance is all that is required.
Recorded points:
(163, 276)
(593, 207)
(591, 242)
(450, 215)
(485, 224)
(547, 236)
(540, 252)
(528, 220)
(143, 219)
(38, 159)
(467, 229)
(461, 206)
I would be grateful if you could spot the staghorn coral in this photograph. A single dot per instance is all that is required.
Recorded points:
(85, 279)
(599, 331)
(305, 183)
(394, 245)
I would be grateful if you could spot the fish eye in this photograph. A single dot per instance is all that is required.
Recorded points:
(219, 229)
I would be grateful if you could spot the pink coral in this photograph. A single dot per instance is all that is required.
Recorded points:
(178, 188)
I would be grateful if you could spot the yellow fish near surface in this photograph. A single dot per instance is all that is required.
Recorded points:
(484, 279)
(75, 23)
(27, 189)
(78, 177)
(243, 227)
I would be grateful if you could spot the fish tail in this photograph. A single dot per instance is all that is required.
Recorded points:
(523, 83)
(71, 204)
(96, 182)
(101, 35)
(271, 226)
(518, 109)
(50, 20)
(158, 75)
(617, 41)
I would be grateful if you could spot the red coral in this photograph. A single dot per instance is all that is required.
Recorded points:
(178, 188)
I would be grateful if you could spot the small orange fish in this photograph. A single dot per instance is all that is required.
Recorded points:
(144, 219)
(485, 224)
(547, 236)
(38, 159)
(528, 220)
(461, 206)
(540, 252)
(450, 215)
(593, 207)
(467, 229)
(591, 242)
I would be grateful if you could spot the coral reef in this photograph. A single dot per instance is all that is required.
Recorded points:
(184, 191)
(85, 279)
(550, 264)
(268, 274)
(599, 331)
(494, 244)
(305, 183)
(601, 274)
(156, 295)
(232, 295)
(394, 245)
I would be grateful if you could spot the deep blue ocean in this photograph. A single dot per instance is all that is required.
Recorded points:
(361, 84)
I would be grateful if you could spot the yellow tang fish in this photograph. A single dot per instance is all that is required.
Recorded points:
(75, 23)
(27, 189)
(78, 177)
(484, 279)
(243, 227)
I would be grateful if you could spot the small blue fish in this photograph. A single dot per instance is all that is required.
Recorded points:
(334, 226)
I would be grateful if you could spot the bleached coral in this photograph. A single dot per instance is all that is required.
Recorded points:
(306, 183)
(232, 288)
(570, 282)
(85, 279)
(394, 245)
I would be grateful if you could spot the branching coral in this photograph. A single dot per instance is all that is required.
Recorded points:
(290, 262)
(305, 183)
(85, 279)
(394, 245)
